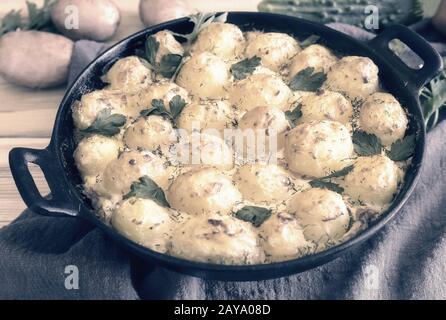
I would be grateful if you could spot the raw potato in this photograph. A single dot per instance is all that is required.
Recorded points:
(205, 75)
(35, 59)
(317, 148)
(382, 115)
(206, 114)
(225, 40)
(153, 12)
(314, 56)
(150, 133)
(326, 105)
(94, 152)
(167, 45)
(164, 90)
(260, 90)
(203, 192)
(205, 150)
(128, 74)
(275, 49)
(356, 77)
(217, 239)
(128, 168)
(97, 20)
(282, 237)
(264, 183)
(322, 214)
(145, 222)
(86, 111)
(373, 180)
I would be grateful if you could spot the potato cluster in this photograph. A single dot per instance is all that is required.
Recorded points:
(201, 184)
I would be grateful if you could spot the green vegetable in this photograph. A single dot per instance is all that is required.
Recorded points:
(176, 105)
(242, 69)
(326, 183)
(168, 64)
(294, 115)
(307, 80)
(433, 98)
(201, 21)
(146, 188)
(348, 11)
(309, 41)
(253, 214)
(106, 124)
(402, 148)
(366, 144)
(38, 18)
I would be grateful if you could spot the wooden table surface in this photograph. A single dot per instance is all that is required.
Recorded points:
(26, 116)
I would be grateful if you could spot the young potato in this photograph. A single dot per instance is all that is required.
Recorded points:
(322, 214)
(218, 239)
(382, 115)
(202, 192)
(35, 59)
(282, 237)
(264, 183)
(206, 114)
(314, 56)
(260, 90)
(163, 90)
(91, 104)
(201, 149)
(356, 77)
(225, 40)
(325, 105)
(167, 45)
(205, 75)
(97, 20)
(144, 222)
(93, 153)
(131, 165)
(373, 180)
(317, 148)
(150, 133)
(275, 49)
(128, 74)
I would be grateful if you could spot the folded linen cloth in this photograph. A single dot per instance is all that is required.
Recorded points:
(406, 260)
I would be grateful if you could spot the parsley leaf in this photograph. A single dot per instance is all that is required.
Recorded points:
(106, 124)
(322, 184)
(242, 69)
(10, 22)
(146, 188)
(176, 105)
(402, 148)
(307, 80)
(151, 49)
(309, 41)
(339, 173)
(366, 144)
(253, 214)
(294, 115)
(168, 64)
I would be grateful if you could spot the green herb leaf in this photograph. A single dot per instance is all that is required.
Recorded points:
(242, 69)
(107, 124)
(294, 115)
(326, 185)
(307, 80)
(339, 173)
(309, 41)
(11, 22)
(366, 144)
(253, 214)
(151, 49)
(146, 188)
(433, 98)
(157, 108)
(169, 64)
(176, 105)
(402, 148)
(201, 21)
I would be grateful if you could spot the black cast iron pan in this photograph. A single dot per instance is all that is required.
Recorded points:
(56, 161)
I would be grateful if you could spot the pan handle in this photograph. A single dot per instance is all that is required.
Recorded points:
(59, 203)
(414, 78)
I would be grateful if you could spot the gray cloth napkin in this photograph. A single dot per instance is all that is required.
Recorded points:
(406, 260)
